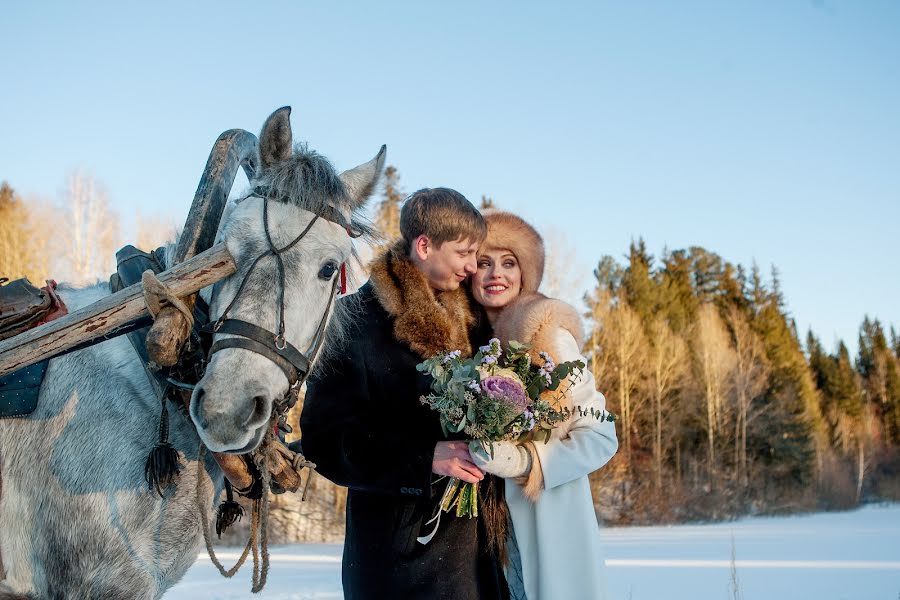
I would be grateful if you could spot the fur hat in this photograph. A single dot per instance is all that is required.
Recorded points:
(506, 231)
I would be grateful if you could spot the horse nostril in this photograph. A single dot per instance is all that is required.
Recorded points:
(260, 410)
(199, 397)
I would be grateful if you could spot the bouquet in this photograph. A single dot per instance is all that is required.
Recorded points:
(496, 396)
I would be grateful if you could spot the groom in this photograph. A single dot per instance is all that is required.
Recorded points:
(364, 427)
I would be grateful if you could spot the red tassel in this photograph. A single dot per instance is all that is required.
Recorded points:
(343, 278)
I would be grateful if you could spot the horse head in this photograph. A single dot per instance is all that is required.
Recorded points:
(290, 239)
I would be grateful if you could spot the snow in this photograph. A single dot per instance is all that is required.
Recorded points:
(826, 556)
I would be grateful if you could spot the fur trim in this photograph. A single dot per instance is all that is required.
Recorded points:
(533, 319)
(533, 482)
(506, 231)
(430, 323)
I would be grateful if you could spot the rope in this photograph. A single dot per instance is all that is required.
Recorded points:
(157, 296)
(204, 520)
(258, 543)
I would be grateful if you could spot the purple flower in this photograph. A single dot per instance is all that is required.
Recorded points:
(505, 390)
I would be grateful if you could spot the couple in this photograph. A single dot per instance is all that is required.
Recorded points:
(455, 279)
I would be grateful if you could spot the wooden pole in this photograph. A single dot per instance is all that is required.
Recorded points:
(104, 316)
(234, 149)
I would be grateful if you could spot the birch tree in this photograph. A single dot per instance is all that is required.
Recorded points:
(749, 378)
(715, 362)
(667, 366)
(91, 231)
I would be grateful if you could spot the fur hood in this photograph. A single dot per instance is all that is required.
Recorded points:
(429, 322)
(533, 319)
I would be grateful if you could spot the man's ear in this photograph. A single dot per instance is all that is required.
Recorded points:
(421, 246)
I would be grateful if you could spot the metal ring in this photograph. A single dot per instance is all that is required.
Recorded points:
(280, 338)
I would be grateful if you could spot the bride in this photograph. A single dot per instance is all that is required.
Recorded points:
(553, 540)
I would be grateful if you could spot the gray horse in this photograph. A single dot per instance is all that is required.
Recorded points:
(76, 517)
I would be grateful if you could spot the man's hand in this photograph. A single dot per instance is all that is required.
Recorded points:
(453, 459)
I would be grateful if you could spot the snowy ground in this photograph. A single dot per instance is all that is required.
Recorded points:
(831, 556)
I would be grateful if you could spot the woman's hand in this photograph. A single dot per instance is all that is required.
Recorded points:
(452, 458)
(509, 460)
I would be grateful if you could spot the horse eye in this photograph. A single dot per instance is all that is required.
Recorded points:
(327, 271)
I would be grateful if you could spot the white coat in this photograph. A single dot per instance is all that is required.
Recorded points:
(557, 535)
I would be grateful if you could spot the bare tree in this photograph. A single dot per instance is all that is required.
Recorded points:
(749, 379)
(667, 366)
(560, 267)
(91, 230)
(153, 231)
(715, 362)
(627, 345)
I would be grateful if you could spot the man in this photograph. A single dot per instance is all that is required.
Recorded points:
(365, 428)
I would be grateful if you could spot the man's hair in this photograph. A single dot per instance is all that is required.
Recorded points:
(442, 214)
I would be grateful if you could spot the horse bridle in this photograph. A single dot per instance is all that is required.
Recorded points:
(272, 345)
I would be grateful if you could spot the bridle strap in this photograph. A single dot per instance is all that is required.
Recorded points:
(259, 348)
(285, 351)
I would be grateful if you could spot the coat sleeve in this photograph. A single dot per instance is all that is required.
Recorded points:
(590, 442)
(351, 443)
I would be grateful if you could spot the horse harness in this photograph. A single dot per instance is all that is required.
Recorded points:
(273, 345)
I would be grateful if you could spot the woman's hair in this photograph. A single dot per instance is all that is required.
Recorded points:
(506, 231)
(442, 214)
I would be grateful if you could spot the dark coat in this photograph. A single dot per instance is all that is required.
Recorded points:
(365, 428)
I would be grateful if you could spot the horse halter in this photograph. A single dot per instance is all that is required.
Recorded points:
(273, 345)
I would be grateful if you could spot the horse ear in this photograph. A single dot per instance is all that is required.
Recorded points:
(361, 181)
(275, 138)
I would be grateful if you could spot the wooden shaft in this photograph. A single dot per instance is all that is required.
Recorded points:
(114, 311)
(233, 149)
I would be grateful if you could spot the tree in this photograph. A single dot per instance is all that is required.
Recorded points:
(15, 252)
(153, 231)
(749, 378)
(28, 230)
(387, 214)
(560, 280)
(879, 366)
(715, 363)
(626, 343)
(91, 231)
(667, 366)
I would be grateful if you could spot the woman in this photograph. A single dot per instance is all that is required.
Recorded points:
(554, 541)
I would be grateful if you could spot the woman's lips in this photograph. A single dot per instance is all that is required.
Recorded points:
(494, 289)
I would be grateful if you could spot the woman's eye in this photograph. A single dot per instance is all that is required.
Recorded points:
(327, 271)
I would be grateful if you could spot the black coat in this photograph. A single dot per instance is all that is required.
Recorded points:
(365, 428)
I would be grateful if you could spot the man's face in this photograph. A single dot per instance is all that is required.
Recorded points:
(448, 265)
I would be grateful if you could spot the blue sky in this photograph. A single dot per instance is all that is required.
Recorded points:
(765, 131)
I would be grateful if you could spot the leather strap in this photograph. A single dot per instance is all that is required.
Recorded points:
(256, 339)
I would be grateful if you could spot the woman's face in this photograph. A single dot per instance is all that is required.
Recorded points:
(497, 280)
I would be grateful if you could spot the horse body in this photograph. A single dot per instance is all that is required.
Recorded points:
(77, 519)
(76, 516)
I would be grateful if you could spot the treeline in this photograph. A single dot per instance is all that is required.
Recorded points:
(72, 239)
(722, 410)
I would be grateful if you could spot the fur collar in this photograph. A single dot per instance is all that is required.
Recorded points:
(429, 322)
(533, 319)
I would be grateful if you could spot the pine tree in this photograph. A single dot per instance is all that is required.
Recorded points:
(639, 287)
(676, 293)
(387, 214)
(878, 365)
